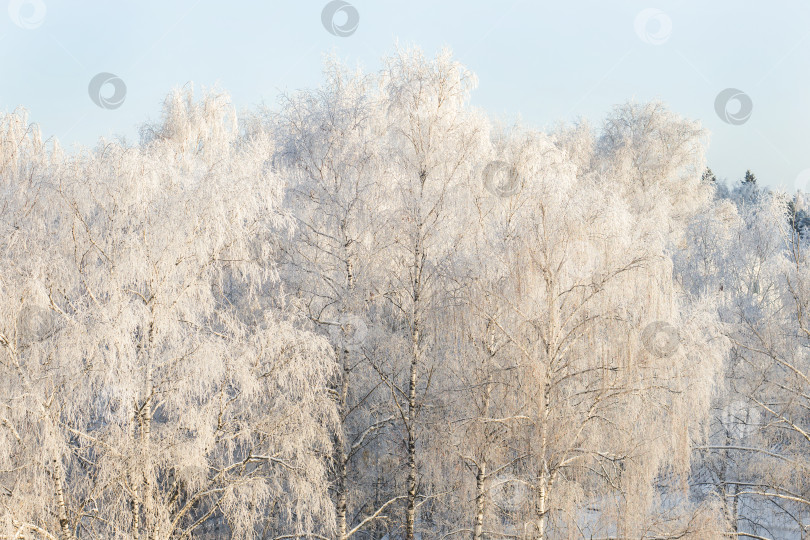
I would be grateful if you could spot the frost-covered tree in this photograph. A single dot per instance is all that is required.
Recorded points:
(167, 395)
(756, 453)
(33, 500)
(376, 313)
(607, 345)
(330, 148)
(432, 140)
(488, 411)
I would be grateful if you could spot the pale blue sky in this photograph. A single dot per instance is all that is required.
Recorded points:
(541, 62)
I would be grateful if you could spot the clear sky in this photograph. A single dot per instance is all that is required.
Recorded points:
(537, 61)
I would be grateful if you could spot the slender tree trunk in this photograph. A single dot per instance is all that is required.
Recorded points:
(481, 476)
(411, 510)
(340, 451)
(140, 475)
(415, 357)
(64, 523)
(134, 481)
(150, 521)
(342, 496)
(148, 501)
(480, 500)
(545, 477)
(734, 515)
(542, 507)
(342, 502)
(728, 492)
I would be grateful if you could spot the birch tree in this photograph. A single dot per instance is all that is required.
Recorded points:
(330, 147)
(376, 313)
(432, 140)
(177, 402)
(31, 470)
(489, 413)
(755, 458)
(594, 308)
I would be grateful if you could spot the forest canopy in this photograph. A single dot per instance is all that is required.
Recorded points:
(375, 312)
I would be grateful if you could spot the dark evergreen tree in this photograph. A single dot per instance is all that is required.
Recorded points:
(745, 193)
(798, 218)
(749, 178)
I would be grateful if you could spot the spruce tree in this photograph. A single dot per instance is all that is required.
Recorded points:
(749, 178)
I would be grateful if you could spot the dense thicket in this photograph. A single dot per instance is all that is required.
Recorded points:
(375, 313)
